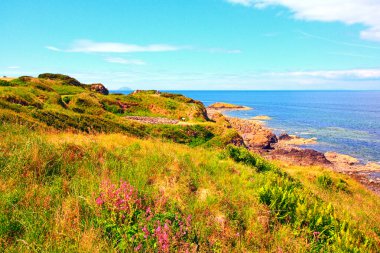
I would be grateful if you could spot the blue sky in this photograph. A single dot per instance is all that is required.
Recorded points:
(196, 44)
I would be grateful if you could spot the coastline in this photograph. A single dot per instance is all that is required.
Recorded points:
(288, 149)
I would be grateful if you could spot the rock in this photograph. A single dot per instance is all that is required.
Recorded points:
(261, 117)
(305, 157)
(255, 135)
(341, 159)
(284, 136)
(372, 166)
(99, 88)
(226, 106)
(295, 140)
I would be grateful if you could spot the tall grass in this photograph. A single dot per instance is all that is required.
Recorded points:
(50, 184)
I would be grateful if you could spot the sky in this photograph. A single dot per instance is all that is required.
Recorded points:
(196, 44)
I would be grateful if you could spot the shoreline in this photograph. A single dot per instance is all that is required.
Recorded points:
(288, 149)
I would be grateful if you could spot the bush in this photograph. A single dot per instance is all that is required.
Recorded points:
(241, 154)
(325, 181)
(5, 83)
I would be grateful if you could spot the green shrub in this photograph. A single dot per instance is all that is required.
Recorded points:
(325, 181)
(66, 99)
(290, 204)
(342, 185)
(241, 154)
(5, 83)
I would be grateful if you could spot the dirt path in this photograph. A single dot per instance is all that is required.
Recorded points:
(153, 120)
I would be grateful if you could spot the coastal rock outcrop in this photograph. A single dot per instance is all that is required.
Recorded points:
(261, 117)
(284, 137)
(304, 157)
(254, 134)
(226, 106)
(294, 140)
(99, 88)
(341, 159)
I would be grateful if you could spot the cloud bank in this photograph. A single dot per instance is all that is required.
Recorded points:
(89, 46)
(364, 12)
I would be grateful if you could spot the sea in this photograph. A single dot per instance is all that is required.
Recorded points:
(346, 122)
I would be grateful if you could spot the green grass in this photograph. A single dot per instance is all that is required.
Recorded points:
(54, 102)
(76, 176)
(237, 201)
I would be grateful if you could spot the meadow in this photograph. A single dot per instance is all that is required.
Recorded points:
(91, 181)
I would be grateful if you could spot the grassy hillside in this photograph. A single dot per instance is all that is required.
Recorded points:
(57, 194)
(92, 181)
(63, 103)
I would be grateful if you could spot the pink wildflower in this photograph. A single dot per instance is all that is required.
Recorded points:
(138, 247)
(146, 232)
(99, 201)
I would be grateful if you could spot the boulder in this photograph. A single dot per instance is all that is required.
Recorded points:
(341, 159)
(99, 88)
(305, 157)
(284, 137)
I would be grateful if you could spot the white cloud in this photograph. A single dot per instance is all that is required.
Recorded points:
(125, 61)
(88, 46)
(157, 78)
(359, 74)
(365, 12)
(13, 67)
(53, 48)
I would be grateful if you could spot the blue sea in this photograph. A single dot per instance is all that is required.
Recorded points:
(346, 122)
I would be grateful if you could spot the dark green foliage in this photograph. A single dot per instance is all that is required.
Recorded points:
(342, 185)
(43, 87)
(290, 204)
(5, 83)
(18, 81)
(325, 181)
(64, 78)
(240, 154)
(178, 97)
(193, 135)
(66, 99)
(85, 123)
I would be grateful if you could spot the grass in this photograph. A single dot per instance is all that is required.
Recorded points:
(61, 102)
(76, 176)
(50, 182)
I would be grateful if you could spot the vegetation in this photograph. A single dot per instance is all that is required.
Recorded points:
(93, 181)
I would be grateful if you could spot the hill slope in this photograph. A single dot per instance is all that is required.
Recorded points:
(64, 188)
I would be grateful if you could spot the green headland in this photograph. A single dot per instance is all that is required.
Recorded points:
(82, 170)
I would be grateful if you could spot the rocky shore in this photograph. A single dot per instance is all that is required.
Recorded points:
(286, 148)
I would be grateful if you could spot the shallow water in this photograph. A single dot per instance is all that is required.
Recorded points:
(347, 122)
